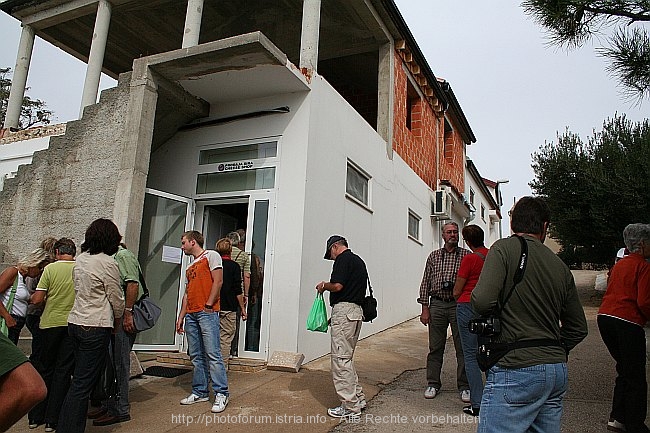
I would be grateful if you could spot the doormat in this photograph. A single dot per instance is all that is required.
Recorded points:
(160, 371)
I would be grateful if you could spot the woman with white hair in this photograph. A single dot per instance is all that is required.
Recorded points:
(624, 312)
(15, 296)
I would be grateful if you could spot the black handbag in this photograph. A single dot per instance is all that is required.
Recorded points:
(145, 311)
(369, 306)
(106, 386)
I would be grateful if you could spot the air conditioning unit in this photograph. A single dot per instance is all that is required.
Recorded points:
(441, 205)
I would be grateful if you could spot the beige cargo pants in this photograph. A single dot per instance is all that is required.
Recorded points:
(227, 328)
(345, 327)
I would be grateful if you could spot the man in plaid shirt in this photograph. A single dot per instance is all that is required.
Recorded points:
(439, 310)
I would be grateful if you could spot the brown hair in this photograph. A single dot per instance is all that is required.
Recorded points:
(193, 235)
(224, 247)
(473, 235)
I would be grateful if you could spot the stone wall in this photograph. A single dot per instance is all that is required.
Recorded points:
(68, 185)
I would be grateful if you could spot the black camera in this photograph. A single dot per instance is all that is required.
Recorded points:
(448, 285)
(485, 326)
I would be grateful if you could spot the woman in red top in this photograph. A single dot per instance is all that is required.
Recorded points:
(468, 273)
(622, 315)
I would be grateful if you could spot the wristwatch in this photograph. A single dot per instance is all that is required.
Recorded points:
(208, 306)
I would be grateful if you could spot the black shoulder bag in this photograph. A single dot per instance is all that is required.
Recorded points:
(489, 352)
(369, 306)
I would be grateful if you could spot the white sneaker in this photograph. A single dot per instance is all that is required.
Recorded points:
(430, 392)
(362, 404)
(464, 396)
(341, 412)
(615, 426)
(193, 398)
(220, 403)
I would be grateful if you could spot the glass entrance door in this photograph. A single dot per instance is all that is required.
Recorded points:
(218, 217)
(253, 342)
(164, 219)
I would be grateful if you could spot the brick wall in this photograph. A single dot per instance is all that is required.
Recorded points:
(424, 142)
(452, 164)
(417, 145)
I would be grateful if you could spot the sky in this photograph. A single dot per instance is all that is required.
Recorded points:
(516, 91)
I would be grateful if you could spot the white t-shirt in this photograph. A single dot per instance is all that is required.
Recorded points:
(21, 300)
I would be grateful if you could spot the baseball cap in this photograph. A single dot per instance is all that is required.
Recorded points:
(331, 241)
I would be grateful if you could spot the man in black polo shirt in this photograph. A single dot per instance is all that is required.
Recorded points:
(347, 287)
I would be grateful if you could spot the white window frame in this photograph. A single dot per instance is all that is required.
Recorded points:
(364, 175)
(412, 216)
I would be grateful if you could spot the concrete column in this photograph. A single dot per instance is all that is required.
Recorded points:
(192, 23)
(310, 34)
(19, 79)
(96, 56)
(135, 155)
(385, 95)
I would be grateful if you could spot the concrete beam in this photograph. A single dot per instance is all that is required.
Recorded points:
(60, 13)
(19, 79)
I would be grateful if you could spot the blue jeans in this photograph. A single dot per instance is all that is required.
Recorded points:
(204, 347)
(464, 313)
(33, 321)
(525, 399)
(14, 333)
(90, 346)
(121, 346)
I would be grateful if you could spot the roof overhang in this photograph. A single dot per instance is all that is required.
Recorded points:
(242, 67)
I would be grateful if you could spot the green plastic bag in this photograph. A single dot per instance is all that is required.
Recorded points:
(317, 319)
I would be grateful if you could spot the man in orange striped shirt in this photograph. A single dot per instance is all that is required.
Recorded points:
(200, 315)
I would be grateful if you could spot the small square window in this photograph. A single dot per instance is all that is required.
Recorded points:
(414, 225)
(357, 184)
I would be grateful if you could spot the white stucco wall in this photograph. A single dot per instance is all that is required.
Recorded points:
(395, 262)
(315, 140)
(13, 155)
(490, 228)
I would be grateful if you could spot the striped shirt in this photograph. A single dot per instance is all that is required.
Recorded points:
(441, 266)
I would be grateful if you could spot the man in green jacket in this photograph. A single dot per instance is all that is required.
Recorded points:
(525, 389)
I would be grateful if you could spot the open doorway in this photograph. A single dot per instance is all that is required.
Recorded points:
(217, 218)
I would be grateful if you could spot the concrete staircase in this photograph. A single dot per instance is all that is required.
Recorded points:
(103, 155)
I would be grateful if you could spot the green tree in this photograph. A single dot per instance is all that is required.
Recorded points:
(595, 189)
(33, 112)
(570, 23)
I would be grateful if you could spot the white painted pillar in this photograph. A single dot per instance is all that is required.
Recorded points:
(96, 56)
(19, 79)
(310, 34)
(192, 23)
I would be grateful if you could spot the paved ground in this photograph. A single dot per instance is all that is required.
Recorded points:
(391, 369)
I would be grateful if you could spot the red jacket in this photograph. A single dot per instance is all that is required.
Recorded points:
(628, 290)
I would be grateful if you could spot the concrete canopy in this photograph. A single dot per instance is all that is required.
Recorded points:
(241, 67)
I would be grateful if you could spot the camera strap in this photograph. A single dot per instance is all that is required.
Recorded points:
(519, 273)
